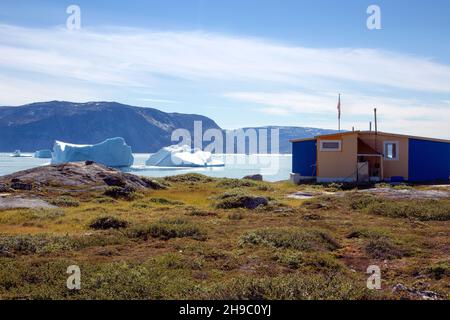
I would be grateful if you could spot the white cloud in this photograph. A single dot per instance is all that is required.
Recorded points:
(90, 63)
(154, 100)
(135, 57)
(19, 91)
(395, 115)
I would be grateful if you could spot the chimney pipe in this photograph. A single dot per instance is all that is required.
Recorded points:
(376, 123)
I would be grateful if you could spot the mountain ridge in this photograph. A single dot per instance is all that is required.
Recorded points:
(37, 125)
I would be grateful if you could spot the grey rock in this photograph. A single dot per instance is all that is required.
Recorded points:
(424, 295)
(255, 177)
(17, 184)
(255, 202)
(5, 189)
(77, 175)
(16, 202)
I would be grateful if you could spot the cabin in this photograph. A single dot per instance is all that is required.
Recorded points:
(368, 156)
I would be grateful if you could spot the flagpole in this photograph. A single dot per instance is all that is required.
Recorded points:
(339, 113)
(339, 124)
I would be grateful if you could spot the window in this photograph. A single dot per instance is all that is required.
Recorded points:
(390, 150)
(330, 145)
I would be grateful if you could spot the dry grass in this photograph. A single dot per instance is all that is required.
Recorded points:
(177, 243)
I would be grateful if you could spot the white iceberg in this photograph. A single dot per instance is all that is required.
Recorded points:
(43, 154)
(111, 152)
(182, 156)
(16, 154)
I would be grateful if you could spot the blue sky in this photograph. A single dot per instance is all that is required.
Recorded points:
(241, 63)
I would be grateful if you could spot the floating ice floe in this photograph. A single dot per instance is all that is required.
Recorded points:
(182, 156)
(111, 152)
(43, 154)
(18, 154)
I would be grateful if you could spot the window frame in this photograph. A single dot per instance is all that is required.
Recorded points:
(328, 149)
(397, 150)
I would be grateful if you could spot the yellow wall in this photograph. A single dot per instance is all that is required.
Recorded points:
(339, 164)
(390, 167)
(343, 164)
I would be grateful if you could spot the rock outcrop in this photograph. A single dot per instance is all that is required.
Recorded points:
(77, 175)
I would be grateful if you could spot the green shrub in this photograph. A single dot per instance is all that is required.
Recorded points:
(46, 214)
(367, 233)
(293, 238)
(231, 193)
(382, 185)
(141, 205)
(120, 280)
(168, 229)
(163, 201)
(236, 183)
(360, 202)
(382, 248)
(126, 193)
(334, 187)
(155, 184)
(201, 213)
(105, 223)
(439, 271)
(240, 199)
(264, 187)
(65, 202)
(103, 200)
(32, 244)
(189, 178)
(402, 186)
(45, 244)
(314, 261)
(40, 279)
(236, 216)
(423, 210)
(177, 261)
(322, 203)
(288, 287)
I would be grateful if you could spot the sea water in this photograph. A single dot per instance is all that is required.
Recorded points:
(273, 167)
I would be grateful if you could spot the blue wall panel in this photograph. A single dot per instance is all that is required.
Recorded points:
(428, 160)
(304, 158)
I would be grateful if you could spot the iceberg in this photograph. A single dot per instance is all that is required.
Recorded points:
(16, 154)
(111, 152)
(43, 154)
(182, 156)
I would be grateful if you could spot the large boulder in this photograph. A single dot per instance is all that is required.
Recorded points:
(17, 184)
(75, 175)
(111, 152)
(242, 201)
(255, 177)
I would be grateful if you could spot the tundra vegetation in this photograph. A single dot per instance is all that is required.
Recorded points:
(197, 237)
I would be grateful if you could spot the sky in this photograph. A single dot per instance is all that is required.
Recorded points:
(242, 63)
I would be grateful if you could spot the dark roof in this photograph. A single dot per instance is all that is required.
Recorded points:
(371, 132)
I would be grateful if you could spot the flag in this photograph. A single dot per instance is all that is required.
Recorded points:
(339, 107)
